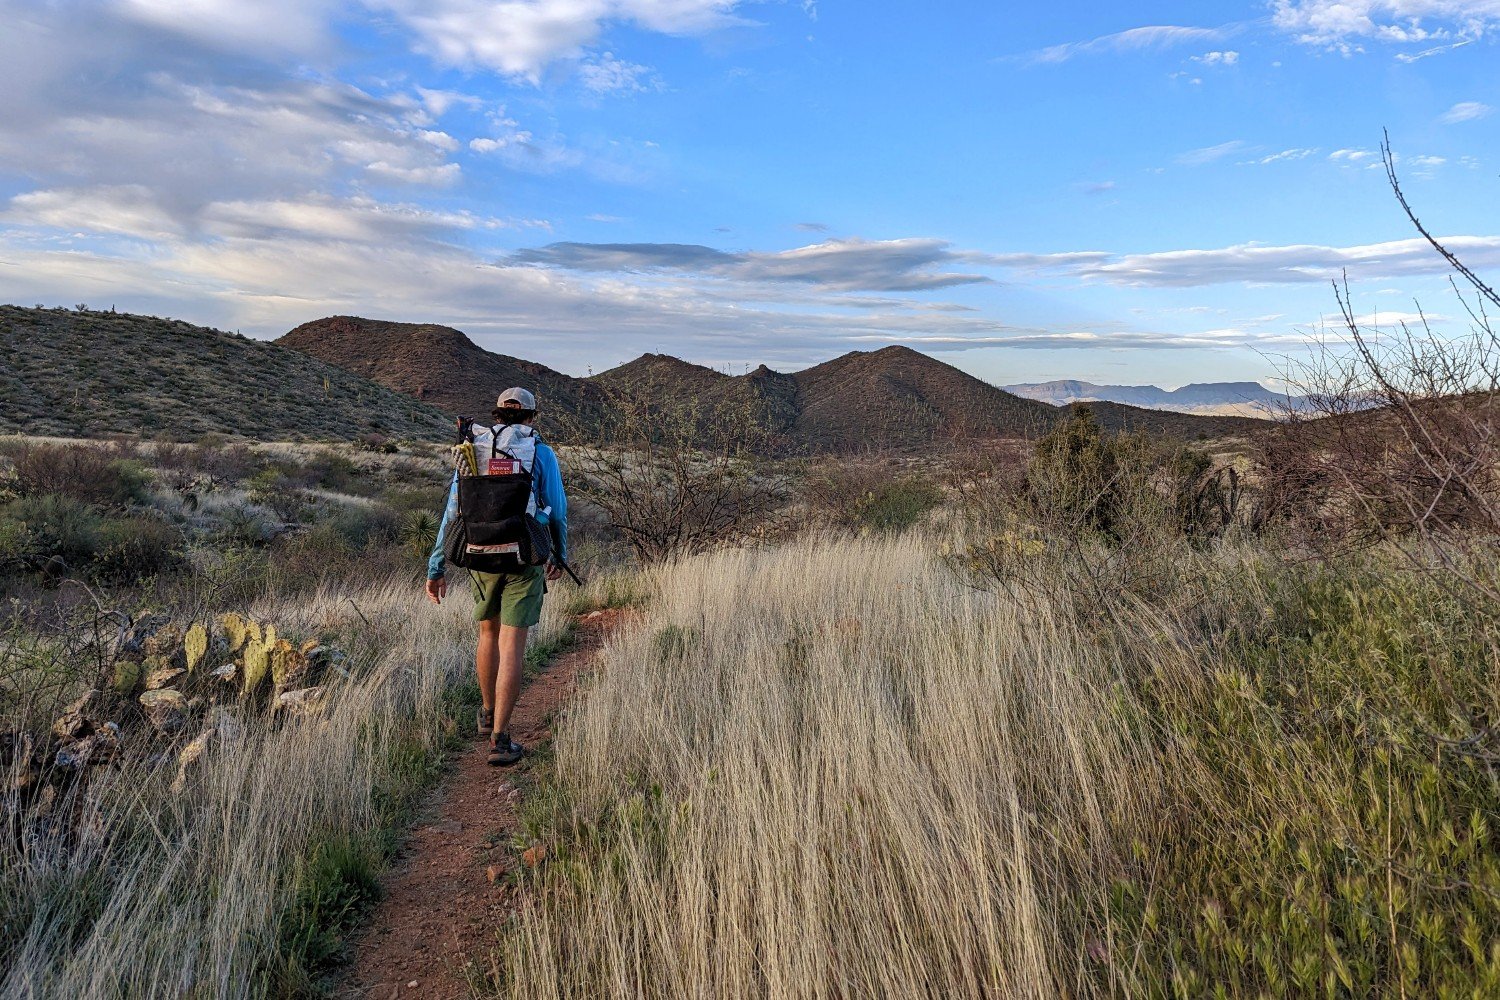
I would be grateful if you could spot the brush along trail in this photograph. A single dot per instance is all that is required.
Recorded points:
(451, 889)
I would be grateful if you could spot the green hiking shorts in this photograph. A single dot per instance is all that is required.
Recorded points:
(516, 598)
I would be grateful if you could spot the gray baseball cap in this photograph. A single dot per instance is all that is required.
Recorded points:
(519, 396)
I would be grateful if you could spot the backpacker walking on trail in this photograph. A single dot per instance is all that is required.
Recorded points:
(506, 522)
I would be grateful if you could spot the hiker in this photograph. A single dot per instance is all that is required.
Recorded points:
(507, 603)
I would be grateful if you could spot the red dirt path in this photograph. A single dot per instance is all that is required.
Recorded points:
(441, 906)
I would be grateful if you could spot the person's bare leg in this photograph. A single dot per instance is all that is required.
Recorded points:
(487, 661)
(507, 683)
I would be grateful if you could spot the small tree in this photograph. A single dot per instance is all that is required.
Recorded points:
(672, 474)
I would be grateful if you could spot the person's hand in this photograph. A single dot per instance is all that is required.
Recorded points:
(437, 589)
(554, 572)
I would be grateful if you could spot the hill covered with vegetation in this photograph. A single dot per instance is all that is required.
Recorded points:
(86, 372)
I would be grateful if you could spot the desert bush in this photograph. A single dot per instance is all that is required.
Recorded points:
(876, 495)
(133, 548)
(1326, 823)
(419, 530)
(106, 474)
(1400, 444)
(247, 524)
(672, 476)
(51, 531)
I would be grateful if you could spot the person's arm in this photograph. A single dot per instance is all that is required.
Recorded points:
(550, 494)
(435, 562)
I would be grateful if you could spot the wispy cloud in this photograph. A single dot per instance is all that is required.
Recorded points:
(1257, 264)
(1211, 154)
(1159, 36)
(1465, 111)
(1285, 156)
(840, 264)
(1226, 58)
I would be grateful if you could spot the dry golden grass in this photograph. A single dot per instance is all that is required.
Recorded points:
(184, 895)
(831, 770)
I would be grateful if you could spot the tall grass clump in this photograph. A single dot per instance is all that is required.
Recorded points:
(830, 770)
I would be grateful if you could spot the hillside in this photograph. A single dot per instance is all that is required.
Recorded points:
(436, 364)
(897, 396)
(72, 373)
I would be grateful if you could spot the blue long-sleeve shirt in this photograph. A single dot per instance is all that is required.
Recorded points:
(551, 508)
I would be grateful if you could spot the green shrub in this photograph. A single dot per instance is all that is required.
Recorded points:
(41, 529)
(1338, 835)
(897, 505)
(135, 548)
(359, 526)
(870, 495)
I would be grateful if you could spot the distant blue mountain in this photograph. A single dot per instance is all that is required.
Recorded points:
(1194, 398)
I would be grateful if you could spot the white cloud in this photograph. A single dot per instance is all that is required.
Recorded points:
(125, 210)
(1227, 58)
(1342, 25)
(1257, 264)
(522, 38)
(1351, 155)
(606, 74)
(1465, 111)
(1211, 154)
(1159, 36)
(1283, 156)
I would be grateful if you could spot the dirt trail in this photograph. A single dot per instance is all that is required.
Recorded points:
(449, 891)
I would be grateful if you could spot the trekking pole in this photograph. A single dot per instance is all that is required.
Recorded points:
(567, 569)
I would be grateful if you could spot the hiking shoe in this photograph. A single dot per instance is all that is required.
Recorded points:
(484, 722)
(504, 751)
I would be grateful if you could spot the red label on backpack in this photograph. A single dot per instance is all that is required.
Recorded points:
(504, 467)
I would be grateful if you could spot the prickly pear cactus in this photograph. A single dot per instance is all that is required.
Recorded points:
(128, 674)
(288, 665)
(257, 664)
(236, 630)
(195, 645)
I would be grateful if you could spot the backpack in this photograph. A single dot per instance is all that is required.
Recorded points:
(496, 530)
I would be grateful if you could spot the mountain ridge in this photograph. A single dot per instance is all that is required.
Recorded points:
(1194, 397)
(893, 397)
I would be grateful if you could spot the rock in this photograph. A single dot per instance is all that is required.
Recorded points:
(166, 709)
(190, 755)
(164, 677)
(229, 673)
(81, 718)
(494, 873)
(534, 855)
(133, 638)
(166, 643)
(303, 702)
(100, 748)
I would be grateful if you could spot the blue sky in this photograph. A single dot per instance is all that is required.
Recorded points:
(1152, 192)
